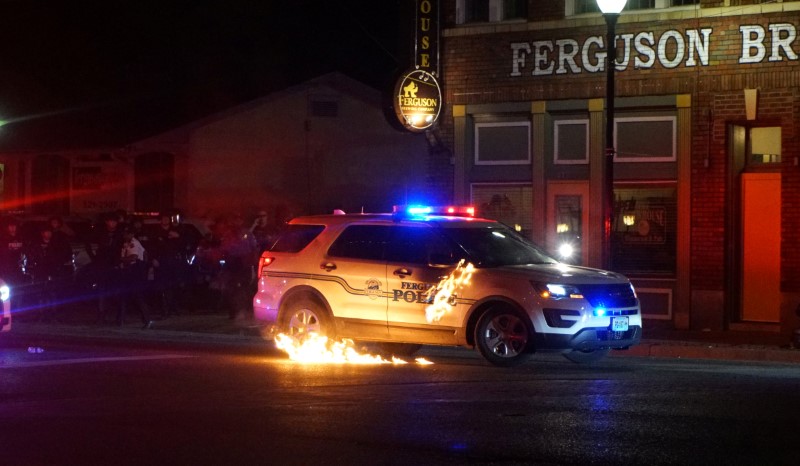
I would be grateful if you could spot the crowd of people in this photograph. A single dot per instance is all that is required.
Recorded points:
(161, 269)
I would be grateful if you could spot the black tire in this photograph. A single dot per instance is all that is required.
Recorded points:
(503, 337)
(587, 357)
(304, 316)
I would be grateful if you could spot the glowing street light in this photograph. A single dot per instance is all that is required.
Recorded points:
(611, 10)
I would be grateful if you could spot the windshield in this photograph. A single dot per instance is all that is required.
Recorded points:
(496, 246)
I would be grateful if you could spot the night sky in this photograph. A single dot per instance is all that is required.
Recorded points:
(86, 72)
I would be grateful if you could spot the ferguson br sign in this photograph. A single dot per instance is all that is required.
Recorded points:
(671, 49)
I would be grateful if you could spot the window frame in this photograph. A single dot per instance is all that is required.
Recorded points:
(571, 7)
(478, 126)
(497, 10)
(585, 123)
(671, 158)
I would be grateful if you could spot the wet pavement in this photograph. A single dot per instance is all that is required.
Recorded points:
(215, 327)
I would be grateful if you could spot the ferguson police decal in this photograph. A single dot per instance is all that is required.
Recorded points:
(413, 292)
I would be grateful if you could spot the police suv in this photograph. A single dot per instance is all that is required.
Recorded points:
(428, 276)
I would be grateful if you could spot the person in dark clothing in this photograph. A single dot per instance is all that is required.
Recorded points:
(167, 257)
(238, 249)
(60, 231)
(105, 264)
(262, 231)
(12, 256)
(49, 266)
(133, 278)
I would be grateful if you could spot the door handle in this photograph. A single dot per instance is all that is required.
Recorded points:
(327, 266)
(402, 272)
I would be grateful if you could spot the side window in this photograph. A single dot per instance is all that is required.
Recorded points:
(296, 237)
(418, 245)
(365, 242)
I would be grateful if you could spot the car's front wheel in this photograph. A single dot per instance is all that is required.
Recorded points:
(587, 357)
(502, 337)
(305, 316)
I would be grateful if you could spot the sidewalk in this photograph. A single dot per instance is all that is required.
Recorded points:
(217, 328)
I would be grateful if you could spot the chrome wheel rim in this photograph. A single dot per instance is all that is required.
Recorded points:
(304, 321)
(506, 336)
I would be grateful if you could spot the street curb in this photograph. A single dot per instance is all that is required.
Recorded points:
(694, 350)
(85, 333)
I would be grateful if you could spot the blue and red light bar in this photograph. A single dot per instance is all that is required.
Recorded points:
(422, 210)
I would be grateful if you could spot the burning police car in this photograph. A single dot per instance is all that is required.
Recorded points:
(426, 277)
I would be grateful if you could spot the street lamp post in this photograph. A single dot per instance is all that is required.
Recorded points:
(611, 10)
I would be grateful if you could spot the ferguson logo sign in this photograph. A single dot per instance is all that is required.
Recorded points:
(641, 51)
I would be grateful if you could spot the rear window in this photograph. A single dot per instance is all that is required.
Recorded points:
(296, 237)
(366, 242)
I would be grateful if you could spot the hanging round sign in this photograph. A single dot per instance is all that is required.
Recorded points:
(418, 100)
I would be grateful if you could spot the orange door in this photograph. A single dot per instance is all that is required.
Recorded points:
(761, 247)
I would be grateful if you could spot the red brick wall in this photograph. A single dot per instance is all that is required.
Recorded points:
(476, 69)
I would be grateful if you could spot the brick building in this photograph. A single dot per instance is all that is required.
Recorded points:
(706, 178)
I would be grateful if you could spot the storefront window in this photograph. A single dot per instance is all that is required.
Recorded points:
(507, 203)
(568, 218)
(571, 142)
(645, 139)
(590, 6)
(476, 11)
(645, 229)
(502, 143)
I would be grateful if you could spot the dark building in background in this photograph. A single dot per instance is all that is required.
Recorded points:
(313, 147)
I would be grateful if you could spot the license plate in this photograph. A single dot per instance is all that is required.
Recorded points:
(619, 324)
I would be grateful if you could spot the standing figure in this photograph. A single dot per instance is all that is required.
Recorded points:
(105, 262)
(133, 278)
(49, 266)
(12, 262)
(167, 256)
(239, 254)
(262, 231)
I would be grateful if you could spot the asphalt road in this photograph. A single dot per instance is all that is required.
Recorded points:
(76, 404)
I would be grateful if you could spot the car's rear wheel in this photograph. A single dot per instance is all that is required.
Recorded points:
(305, 316)
(502, 337)
(587, 357)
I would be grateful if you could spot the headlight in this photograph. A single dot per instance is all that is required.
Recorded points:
(557, 291)
(5, 293)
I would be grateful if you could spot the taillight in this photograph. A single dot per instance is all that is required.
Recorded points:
(263, 263)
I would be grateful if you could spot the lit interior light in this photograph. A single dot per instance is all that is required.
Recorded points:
(629, 220)
(562, 228)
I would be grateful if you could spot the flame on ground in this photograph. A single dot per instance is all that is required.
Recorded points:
(443, 295)
(318, 349)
